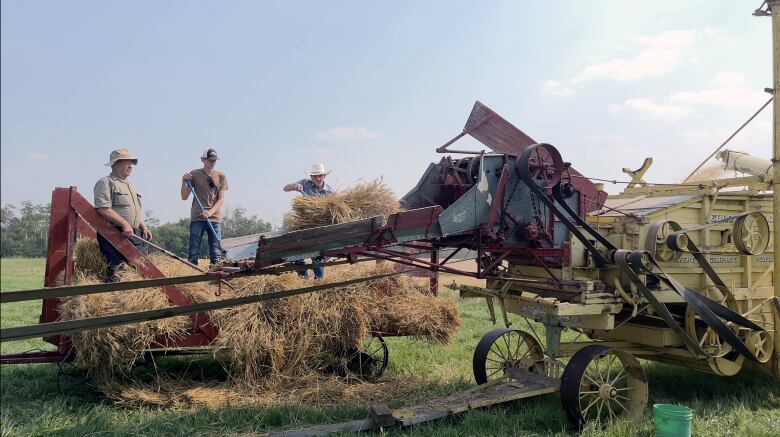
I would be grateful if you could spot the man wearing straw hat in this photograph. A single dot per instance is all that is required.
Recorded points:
(119, 202)
(314, 186)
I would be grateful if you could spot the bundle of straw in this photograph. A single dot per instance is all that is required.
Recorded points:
(89, 260)
(364, 200)
(270, 341)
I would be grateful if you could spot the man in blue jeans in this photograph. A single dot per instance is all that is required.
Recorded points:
(209, 185)
(314, 186)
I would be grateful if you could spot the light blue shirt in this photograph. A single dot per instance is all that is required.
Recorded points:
(310, 189)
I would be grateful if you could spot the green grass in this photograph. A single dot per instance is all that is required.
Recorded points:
(32, 404)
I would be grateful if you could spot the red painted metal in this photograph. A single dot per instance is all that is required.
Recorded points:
(138, 260)
(190, 339)
(414, 218)
(501, 136)
(544, 266)
(72, 216)
(434, 281)
(498, 200)
(59, 258)
(415, 262)
(34, 357)
(498, 260)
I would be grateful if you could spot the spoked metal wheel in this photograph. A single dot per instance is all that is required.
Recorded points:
(708, 339)
(762, 344)
(751, 233)
(601, 384)
(370, 361)
(655, 242)
(542, 164)
(501, 349)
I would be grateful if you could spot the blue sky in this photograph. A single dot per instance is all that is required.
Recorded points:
(368, 88)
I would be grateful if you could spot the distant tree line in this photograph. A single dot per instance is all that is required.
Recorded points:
(24, 229)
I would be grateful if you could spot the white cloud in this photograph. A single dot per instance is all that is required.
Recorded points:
(672, 38)
(650, 110)
(728, 79)
(652, 62)
(660, 54)
(556, 88)
(726, 96)
(728, 90)
(343, 133)
(38, 156)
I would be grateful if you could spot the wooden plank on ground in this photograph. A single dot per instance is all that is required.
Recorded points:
(526, 385)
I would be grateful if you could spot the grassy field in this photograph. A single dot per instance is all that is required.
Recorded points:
(32, 403)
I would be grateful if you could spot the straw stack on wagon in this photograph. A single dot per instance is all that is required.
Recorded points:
(273, 342)
(268, 339)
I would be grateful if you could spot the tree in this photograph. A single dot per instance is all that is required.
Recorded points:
(174, 237)
(236, 223)
(24, 231)
(150, 219)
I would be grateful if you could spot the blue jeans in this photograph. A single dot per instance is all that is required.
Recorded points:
(197, 228)
(319, 270)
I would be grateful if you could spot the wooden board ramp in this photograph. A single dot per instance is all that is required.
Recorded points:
(523, 385)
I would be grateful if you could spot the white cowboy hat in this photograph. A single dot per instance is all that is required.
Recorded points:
(318, 169)
(118, 154)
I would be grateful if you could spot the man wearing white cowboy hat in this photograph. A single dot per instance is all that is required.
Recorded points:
(119, 202)
(314, 186)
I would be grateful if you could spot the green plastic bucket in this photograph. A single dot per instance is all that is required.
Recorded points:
(672, 420)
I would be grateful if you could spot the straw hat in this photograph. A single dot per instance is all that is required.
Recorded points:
(318, 169)
(119, 154)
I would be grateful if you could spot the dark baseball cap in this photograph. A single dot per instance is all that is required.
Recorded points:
(210, 154)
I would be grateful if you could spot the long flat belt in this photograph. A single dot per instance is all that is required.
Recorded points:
(629, 262)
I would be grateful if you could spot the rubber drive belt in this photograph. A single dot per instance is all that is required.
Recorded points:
(627, 260)
(631, 261)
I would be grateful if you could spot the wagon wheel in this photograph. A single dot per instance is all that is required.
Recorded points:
(601, 384)
(751, 233)
(370, 361)
(543, 163)
(708, 339)
(762, 344)
(655, 241)
(501, 349)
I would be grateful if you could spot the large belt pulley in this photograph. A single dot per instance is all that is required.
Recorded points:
(633, 263)
(750, 235)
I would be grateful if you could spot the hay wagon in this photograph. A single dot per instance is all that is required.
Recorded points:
(72, 218)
